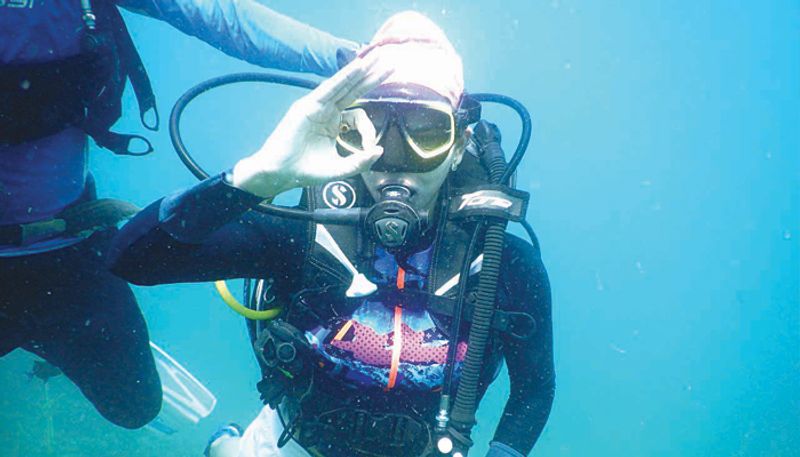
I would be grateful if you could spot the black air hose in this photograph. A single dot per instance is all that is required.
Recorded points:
(463, 415)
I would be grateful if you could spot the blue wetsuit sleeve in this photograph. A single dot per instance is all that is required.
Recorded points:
(192, 215)
(249, 30)
(530, 362)
(207, 233)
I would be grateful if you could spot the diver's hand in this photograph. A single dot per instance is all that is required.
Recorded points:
(301, 151)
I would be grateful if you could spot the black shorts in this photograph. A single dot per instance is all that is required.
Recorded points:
(65, 307)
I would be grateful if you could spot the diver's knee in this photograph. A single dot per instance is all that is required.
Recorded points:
(136, 411)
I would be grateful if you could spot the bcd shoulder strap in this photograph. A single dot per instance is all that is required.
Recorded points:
(85, 91)
(112, 40)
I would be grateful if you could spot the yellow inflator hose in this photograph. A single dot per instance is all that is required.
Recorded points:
(233, 303)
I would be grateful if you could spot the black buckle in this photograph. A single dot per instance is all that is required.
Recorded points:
(273, 387)
(517, 325)
(124, 144)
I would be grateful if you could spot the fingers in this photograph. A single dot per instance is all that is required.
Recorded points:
(359, 120)
(332, 88)
(359, 162)
(350, 83)
(372, 80)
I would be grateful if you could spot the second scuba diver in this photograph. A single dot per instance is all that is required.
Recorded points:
(63, 68)
(375, 325)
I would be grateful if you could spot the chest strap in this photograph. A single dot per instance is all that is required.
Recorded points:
(330, 302)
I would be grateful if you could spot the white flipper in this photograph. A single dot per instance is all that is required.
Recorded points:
(185, 398)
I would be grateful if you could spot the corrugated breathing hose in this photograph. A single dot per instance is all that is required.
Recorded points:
(466, 400)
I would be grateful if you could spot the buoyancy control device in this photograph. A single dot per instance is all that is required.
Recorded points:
(83, 91)
(484, 207)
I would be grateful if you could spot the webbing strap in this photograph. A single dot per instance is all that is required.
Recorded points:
(397, 344)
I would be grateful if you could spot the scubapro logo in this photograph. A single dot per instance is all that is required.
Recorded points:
(339, 195)
(483, 199)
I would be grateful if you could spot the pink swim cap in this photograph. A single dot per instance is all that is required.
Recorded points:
(419, 53)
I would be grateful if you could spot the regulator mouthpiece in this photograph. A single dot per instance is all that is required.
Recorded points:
(392, 221)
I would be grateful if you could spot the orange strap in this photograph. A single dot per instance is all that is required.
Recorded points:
(397, 347)
(401, 278)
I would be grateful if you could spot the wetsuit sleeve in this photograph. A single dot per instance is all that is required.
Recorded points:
(530, 362)
(248, 30)
(207, 233)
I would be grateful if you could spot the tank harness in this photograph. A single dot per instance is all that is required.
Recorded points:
(83, 91)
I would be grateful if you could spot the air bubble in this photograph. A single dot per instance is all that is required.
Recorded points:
(599, 282)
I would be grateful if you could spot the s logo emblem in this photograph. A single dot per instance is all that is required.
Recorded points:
(339, 195)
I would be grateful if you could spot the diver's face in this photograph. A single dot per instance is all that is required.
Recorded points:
(424, 186)
(416, 127)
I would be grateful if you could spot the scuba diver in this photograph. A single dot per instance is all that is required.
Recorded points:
(390, 297)
(63, 67)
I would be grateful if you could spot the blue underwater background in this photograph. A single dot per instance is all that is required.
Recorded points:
(665, 173)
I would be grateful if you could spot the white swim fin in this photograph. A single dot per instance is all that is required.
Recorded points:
(186, 400)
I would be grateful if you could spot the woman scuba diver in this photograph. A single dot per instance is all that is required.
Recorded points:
(400, 294)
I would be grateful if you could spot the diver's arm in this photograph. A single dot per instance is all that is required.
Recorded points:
(530, 362)
(248, 30)
(206, 233)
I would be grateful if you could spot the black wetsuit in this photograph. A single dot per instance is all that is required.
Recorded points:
(207, 233)
(66, 307)
(56, 298)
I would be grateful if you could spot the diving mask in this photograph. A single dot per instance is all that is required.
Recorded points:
(428, 129)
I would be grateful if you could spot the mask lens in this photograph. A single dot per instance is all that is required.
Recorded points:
(429, 129)
(349, 138)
